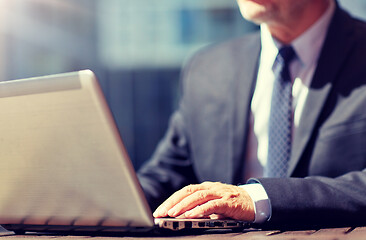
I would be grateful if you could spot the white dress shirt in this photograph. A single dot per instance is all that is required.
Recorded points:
(307, 47)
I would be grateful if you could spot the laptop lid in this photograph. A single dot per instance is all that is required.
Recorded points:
(63, 164)
(62, 160)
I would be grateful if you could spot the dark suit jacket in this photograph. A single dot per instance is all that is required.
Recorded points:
(206, 138)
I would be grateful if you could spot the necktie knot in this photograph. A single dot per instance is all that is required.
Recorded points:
(281, 66)
(286, 54)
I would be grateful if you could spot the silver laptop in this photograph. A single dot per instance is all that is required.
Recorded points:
(63, 165)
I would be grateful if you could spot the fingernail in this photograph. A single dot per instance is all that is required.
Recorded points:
(160, 212)
(189, 214)
(172, 212)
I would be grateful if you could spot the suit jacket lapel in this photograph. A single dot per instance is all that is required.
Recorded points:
(335, 49)
(242, 90)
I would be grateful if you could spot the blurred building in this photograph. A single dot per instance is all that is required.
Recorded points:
(136, 48)
(43, 37)
(160, 33)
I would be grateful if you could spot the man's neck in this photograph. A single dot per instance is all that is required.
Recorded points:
(296, 24)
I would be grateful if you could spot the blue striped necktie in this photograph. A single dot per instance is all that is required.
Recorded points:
(280, 120)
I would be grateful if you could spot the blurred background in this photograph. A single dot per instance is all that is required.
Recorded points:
(135, 47)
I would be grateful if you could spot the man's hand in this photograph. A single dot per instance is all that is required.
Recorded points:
(207, 200)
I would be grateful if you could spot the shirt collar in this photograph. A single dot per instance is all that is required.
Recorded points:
(307, 46)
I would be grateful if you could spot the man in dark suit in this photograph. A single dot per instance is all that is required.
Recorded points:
(219, 135)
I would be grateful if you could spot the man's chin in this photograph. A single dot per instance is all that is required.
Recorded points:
(254, 11)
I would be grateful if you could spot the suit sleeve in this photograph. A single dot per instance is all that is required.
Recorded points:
(317, 200)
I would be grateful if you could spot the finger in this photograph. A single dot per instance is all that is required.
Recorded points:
(222, 208)
(182, 216)
(216, 206)
(162, 210)
(191, 201)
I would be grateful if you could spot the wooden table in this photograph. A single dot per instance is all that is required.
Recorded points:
(322, 234)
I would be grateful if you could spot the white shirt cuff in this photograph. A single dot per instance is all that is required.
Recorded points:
(262, 204)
